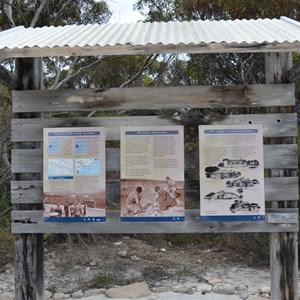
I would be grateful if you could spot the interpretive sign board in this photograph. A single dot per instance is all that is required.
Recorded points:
(74, 174)
(152, 174)
(231, 173)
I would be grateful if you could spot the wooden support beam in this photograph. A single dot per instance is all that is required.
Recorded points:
(283, 246)
(29, 250)
(255, 95)
(32, 222)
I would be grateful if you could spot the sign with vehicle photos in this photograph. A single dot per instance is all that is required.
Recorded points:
(231, 173)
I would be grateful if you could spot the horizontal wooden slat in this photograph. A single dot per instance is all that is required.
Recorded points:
(274, 125)
(275, 156)
(129, 49)
(113, 225)
(286, 216)
(255, 95)
(32, 129)
(276, 189)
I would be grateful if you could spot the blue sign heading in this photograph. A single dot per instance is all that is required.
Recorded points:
(74, 133)
(151, 132)
(229, 131)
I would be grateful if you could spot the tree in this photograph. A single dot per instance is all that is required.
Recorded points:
(186, 10)
(217, 68)
(26, 74)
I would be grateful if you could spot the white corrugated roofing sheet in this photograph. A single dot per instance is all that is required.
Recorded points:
(136, 38)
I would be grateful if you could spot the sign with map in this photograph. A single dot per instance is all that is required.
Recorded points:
(74, 174)
(152, 174)
(231, 173)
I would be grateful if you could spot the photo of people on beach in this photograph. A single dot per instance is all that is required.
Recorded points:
(74, 174)
(152, 174)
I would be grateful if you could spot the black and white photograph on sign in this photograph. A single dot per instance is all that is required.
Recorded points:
(152, 174)
(74, 175)
(231, 173)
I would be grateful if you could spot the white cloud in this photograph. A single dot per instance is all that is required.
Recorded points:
(123, 12)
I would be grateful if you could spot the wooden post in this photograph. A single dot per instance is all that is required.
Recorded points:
(283, 246)
(29, 270)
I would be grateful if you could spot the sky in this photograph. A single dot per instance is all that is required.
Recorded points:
(123, 12)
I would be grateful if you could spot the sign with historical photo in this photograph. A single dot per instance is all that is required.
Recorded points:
(231, 173)
(152, 174)
(74, 174)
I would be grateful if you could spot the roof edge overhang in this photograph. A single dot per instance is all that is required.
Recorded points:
(128, 49)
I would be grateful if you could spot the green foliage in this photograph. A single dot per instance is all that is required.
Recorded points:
(52, 289)
(298, 143)
(5, 207)
(6, 237)
(182, 10)
(7, 240)
(110, 72)
(55, 12)
(101, 281)
(253, 247)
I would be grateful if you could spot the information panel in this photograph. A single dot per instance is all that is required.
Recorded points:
(231, 173)
(74, 175)
(152, 174)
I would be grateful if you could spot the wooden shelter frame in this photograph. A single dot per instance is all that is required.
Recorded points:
(279, 122)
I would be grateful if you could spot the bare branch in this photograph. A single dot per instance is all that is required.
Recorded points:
(5, 175)
(69, 74)
(8, 210)
(8, 12)
(60, 11)
(294, 72)
(8, 77)
(57, 72)
(145, 65)
(37, 14)
(87, 67)
(19, 11)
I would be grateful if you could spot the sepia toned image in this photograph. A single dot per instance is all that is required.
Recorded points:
(72, 207)
(146, 198)
(152, 174)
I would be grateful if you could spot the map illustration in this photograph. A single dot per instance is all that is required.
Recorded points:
(87, 166)
(60, 166)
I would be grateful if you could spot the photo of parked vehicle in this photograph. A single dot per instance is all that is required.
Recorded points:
(240, 205)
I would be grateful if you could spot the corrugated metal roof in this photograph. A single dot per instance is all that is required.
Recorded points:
(259, 35)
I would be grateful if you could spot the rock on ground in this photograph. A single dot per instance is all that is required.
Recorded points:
(131, 291)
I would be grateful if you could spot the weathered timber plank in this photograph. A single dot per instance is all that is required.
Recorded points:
(274, 125)
(32, 129)
(256, 95)
(283, 246)
(128, 49)
(31, 160)
(113, 225)
(276, 189)
(283, 215)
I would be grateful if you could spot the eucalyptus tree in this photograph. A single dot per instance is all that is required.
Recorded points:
(216, 68)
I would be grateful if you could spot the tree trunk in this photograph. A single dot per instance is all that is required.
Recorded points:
(29, 262)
